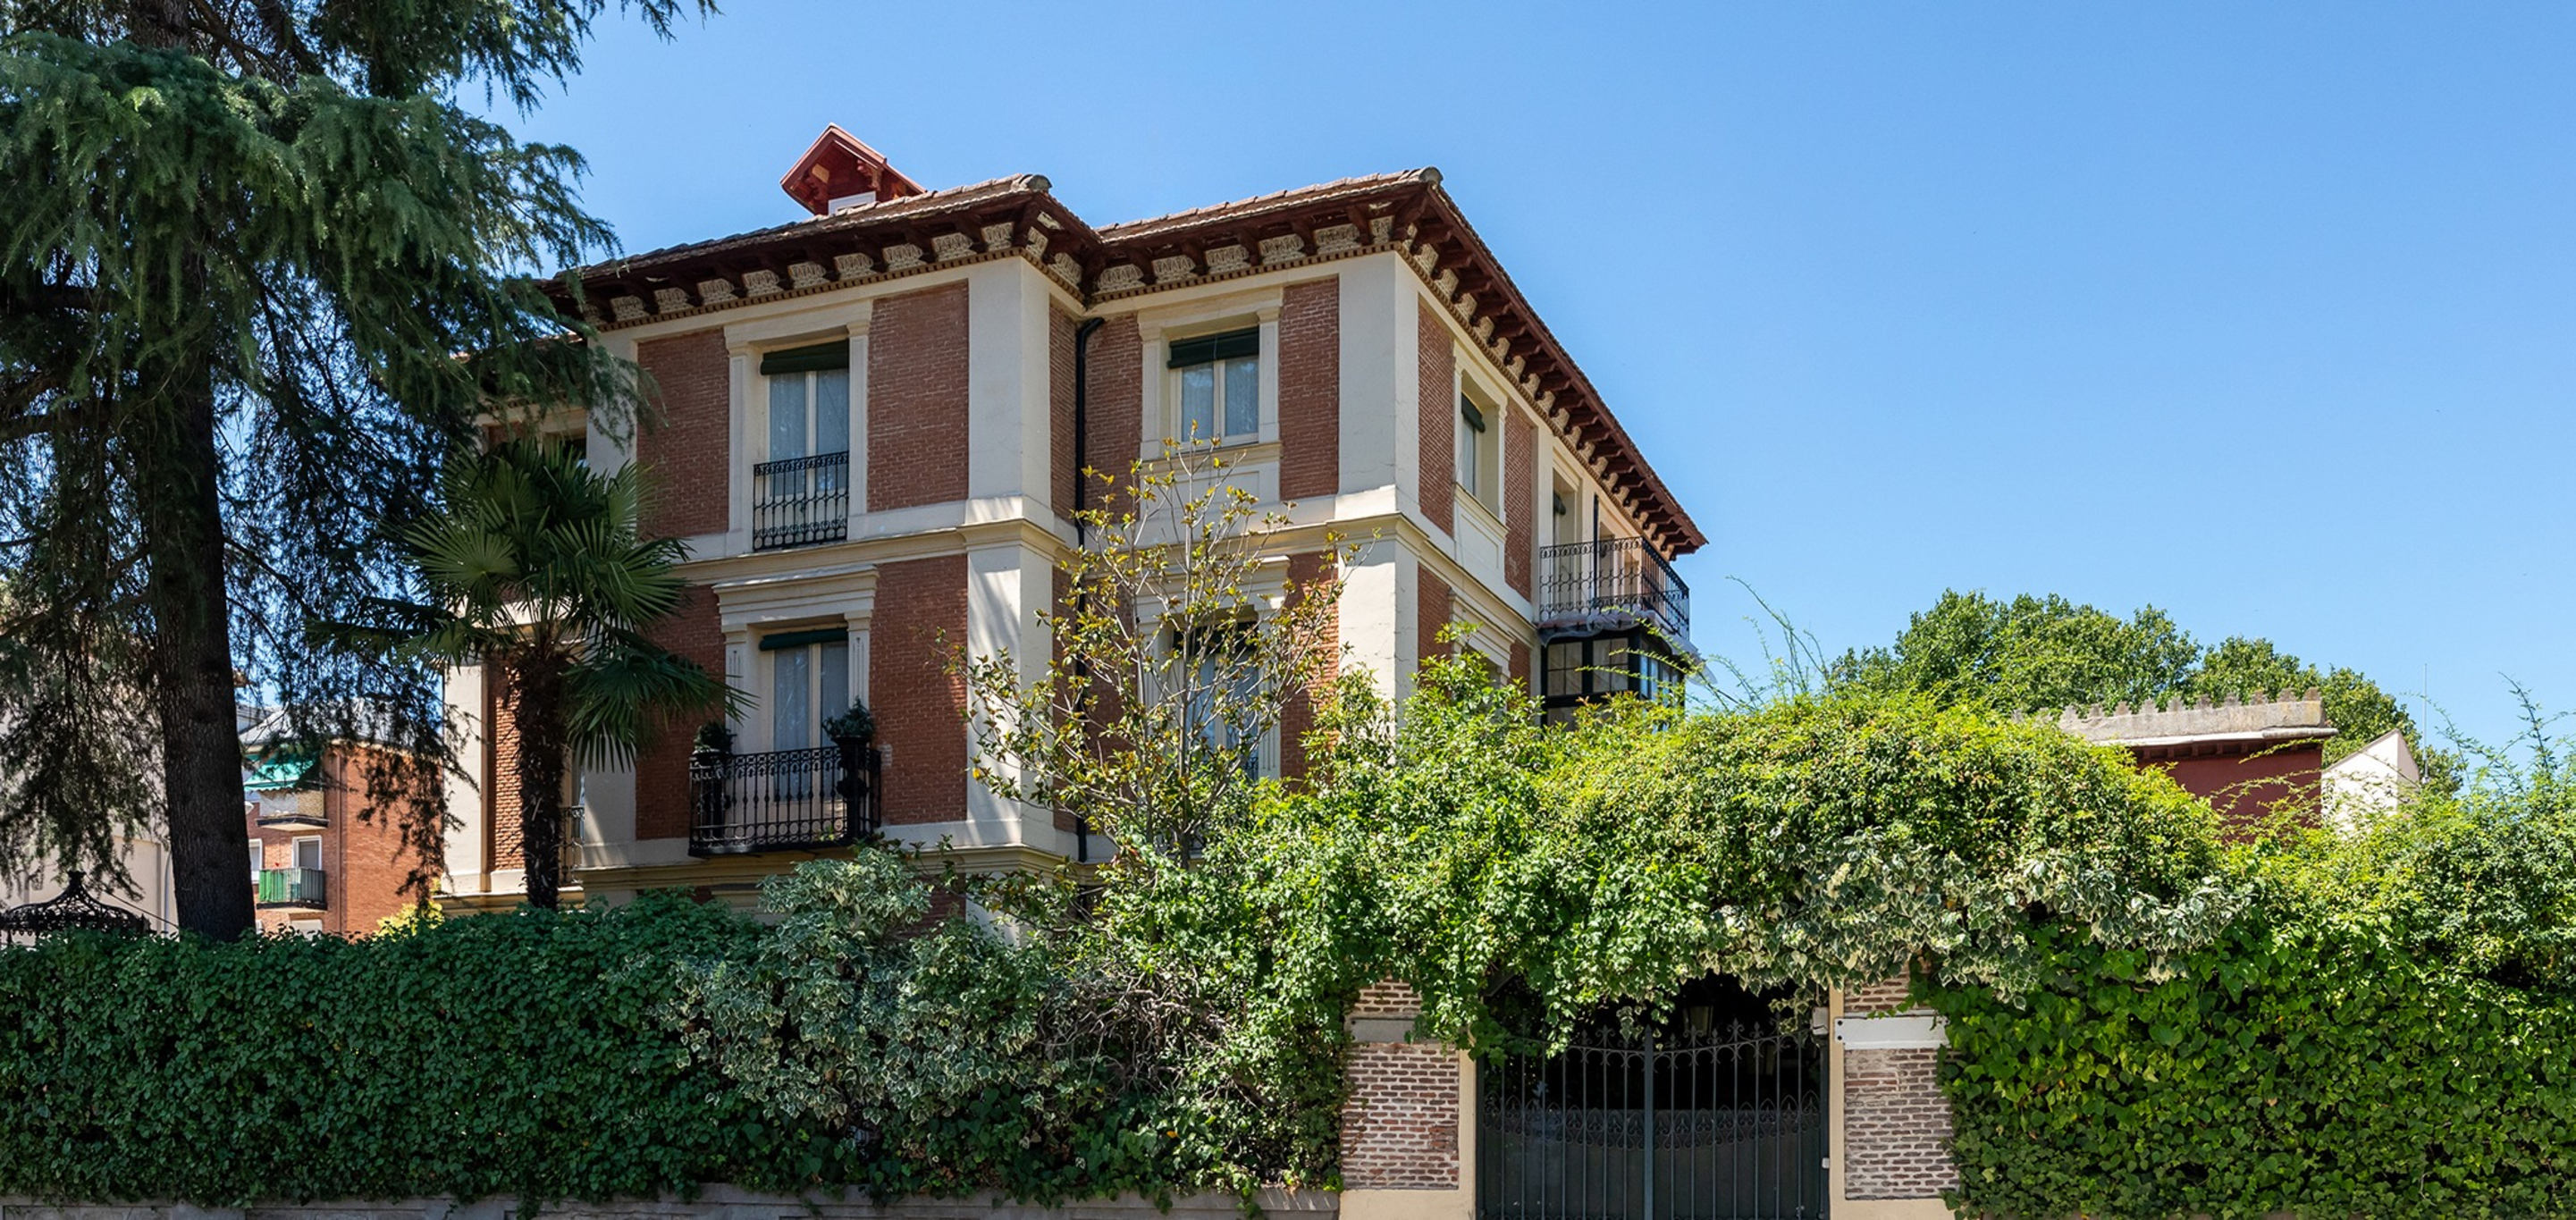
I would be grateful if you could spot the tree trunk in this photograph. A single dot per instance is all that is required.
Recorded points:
(177, 469)
(537, 712)
(177, 472)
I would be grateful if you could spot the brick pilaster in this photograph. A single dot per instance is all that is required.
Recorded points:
(1896, 1123)
(1400, 1124)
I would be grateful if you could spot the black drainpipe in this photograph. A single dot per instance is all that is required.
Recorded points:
(1082, 497)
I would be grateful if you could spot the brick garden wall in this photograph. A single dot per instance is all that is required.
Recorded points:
(1896, 1123)
(917, 433)
(1310, 390)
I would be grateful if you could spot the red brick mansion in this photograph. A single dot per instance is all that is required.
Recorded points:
(868, 424)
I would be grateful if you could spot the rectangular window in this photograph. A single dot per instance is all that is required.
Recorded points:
(809, 683)
(1219, 382)
(801, 494)
(1218, 664)
(308, 853)
(1479, 454)
(1565, 669)
(255, 861)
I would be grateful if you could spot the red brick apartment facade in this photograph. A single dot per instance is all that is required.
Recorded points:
(323, 859)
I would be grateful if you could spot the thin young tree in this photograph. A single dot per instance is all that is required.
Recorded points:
(1182, 637)
(246, 241)
(540, 572)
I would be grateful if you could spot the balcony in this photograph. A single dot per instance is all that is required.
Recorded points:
(800, 501)
(292, 887)
(1613, 585)
(292, 811)
(784, 800)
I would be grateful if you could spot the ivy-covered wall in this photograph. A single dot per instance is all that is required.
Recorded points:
(2389, 1030)
(2327, 1072)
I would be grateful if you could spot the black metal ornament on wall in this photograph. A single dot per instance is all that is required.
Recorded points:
(72, 910)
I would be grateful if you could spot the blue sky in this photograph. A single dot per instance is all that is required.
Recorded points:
(2260, 314)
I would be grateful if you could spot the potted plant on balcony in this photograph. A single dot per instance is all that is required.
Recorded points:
(853, 732)
(854, 726)
(707, 755)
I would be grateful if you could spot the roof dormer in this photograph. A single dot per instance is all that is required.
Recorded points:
(841, 171)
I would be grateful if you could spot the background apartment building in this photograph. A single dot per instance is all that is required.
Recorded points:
(868, 426)
(325, 855)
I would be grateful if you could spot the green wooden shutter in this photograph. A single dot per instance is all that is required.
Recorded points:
(834, 355)
(1208, 349)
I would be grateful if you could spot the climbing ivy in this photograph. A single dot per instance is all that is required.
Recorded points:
(2390, 1029)
(1810, 843)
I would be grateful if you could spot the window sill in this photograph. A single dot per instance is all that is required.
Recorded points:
(1460, 496)
(1234, 453)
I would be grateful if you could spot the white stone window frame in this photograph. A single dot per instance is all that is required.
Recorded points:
(748, 394)
(1265, 594)
(1499, 409)
(1157, 329)
(1487, 640)
(753, 607)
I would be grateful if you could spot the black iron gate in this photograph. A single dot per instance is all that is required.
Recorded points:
(1715, 1114)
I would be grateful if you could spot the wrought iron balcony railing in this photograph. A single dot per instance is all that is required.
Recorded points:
(782, 800)
(1608, 583)
(800, 501)
(292, 887)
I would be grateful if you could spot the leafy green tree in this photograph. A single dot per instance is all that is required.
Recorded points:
(2043, 653)
(1179, 645)
(245, 241)
(538, 570)
(2025, 654)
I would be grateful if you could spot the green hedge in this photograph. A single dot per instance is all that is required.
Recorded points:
(2327, 1073)
(2390, 1030)
(587, 1054)
(509, 1055)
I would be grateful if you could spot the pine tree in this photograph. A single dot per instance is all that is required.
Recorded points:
(248, 247)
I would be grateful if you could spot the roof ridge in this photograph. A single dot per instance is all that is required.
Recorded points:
(848, 217)
(1424, 173)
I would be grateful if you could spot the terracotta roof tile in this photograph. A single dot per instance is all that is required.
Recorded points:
(860, 216)
(1128, 230)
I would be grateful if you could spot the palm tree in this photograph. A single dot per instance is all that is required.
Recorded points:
(540, 573)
